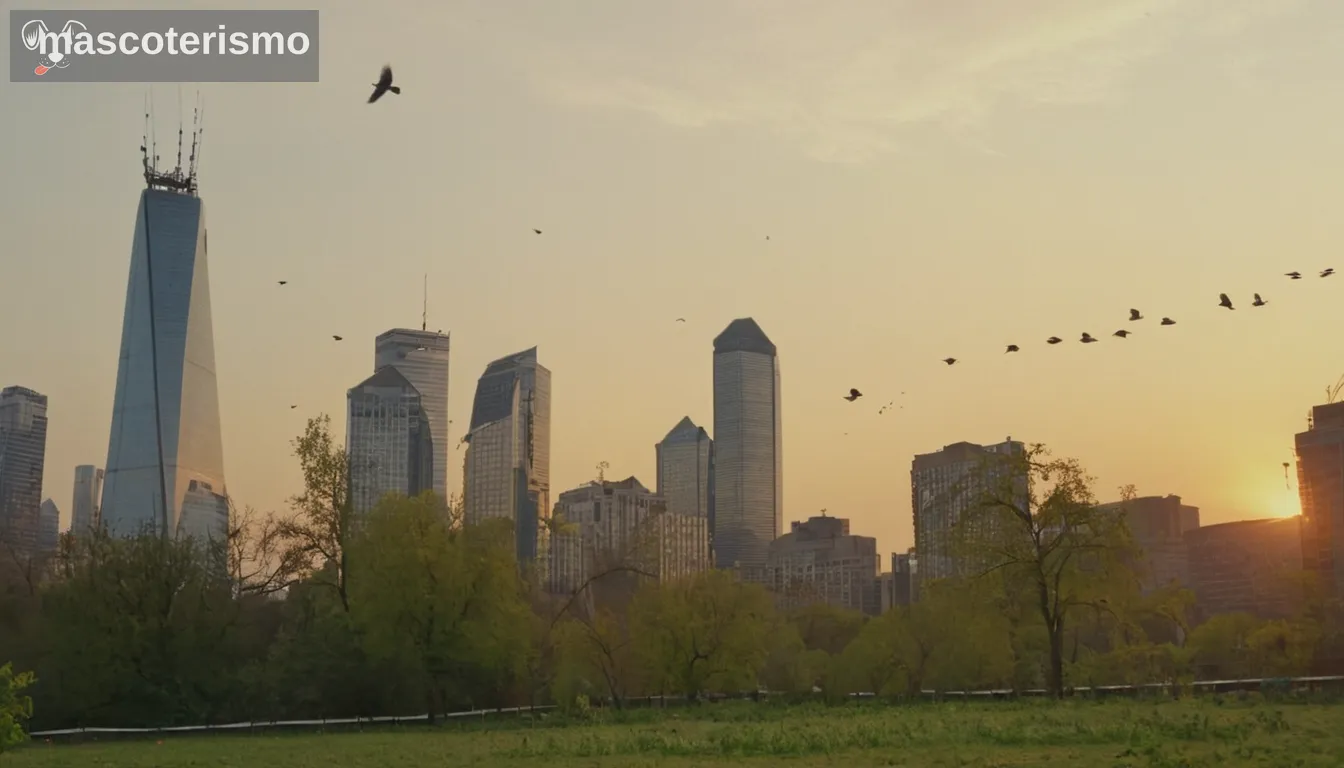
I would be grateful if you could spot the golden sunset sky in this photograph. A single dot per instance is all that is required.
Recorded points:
(936, 178)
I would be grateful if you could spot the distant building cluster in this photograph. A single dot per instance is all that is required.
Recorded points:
(718, 497)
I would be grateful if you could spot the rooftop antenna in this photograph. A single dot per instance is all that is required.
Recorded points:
(179, 127)
(180, 180)
(424, 313)
(1332, 393)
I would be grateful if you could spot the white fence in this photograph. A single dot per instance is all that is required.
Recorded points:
(1335, 682)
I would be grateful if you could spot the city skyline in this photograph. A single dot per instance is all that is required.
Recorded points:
(1044, 170)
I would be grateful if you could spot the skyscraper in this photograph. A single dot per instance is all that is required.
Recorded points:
(507, 471)
(422, 357)
(946, 484)
(685, 461)
(88, 494)
(165, 415)
(48, 527)
(387, 439)
(23, 451)
(748, 446)
(1320, 484)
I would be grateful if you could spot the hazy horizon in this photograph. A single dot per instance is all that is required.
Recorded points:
(933, 181)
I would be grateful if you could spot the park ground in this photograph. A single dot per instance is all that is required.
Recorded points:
(1203, 732)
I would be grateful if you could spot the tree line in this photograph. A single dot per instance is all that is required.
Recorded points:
(408, 610)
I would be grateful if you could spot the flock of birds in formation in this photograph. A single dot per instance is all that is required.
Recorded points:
(384, 85)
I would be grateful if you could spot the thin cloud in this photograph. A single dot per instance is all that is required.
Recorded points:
(841, 79)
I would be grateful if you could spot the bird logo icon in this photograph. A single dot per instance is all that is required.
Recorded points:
(56, 48)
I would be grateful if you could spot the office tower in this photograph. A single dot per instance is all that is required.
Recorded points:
(621, 523)
(422, 357)
(165, 414)
(748, 446)
(820, 561)
(88, 494)
(23, 451)
(507, 468)
(685, 460)
(388, 440)
(1158, 525)
(48, 527)
(946, 484)
(1320, 486)
(1247, 566)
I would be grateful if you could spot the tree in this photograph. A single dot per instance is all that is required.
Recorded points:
(445, 599)
(1038, 524)
(15, 707)
(704, 632)
(311, 543)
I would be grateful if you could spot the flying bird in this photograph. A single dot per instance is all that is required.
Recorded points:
(1259, 302)
(1122, 333)
(538, 231)
(1223, 301)
(1135, 314)
(1011, 348)
(282, 282)
(884, 408)
(292, 407)
(1327, 272)
(681, 319)
(384, 85)
(1087, 338)
(853, 395)
(1053, 340)
(950, 360)
(1293, 275)
(1168, 321)
(767, 237)
(337, 338)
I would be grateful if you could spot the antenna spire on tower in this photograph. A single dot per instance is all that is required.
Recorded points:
(424, 313)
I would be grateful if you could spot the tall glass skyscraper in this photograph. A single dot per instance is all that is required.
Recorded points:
(88, 493)
(388, 441)
(422, 357)
(748, 446)
(23, 451)
(507, 471)
(685, 461)
(165, 441)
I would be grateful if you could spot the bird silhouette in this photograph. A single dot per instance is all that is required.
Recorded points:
(1011, 348)
(1259, 302)
(292, 407)
(1223, 301)
(1168, 321)
(853, 395)
(1053, 340)
(1327, 272)
(1134, 314)
(950, 360)
(1122, 333)
(681, 319)
(1293, 275)
(538, 231)
(1087, 338)
(383, 85)
(767, 237)
(885, 408)
(337, 338)
(282, 282)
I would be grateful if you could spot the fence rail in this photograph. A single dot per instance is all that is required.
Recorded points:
(1319, 683)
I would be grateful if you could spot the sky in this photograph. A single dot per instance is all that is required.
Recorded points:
(935, 178)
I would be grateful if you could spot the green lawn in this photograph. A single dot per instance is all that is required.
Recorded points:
(1094, 735)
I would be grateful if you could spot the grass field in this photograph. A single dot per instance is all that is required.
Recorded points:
(1204, 732)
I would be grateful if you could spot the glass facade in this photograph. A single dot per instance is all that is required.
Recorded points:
(88, 493)
(48, 527)
(165, 414)
(388, 440)
(748, 508)
(944, 486)
(23, 450)
(422, 357)
(685, 461)
(507, 468)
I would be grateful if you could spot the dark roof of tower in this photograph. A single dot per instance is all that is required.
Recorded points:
(510, 362)
(744, 335)
(686, 430)
(494, 390)
(387, 376)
